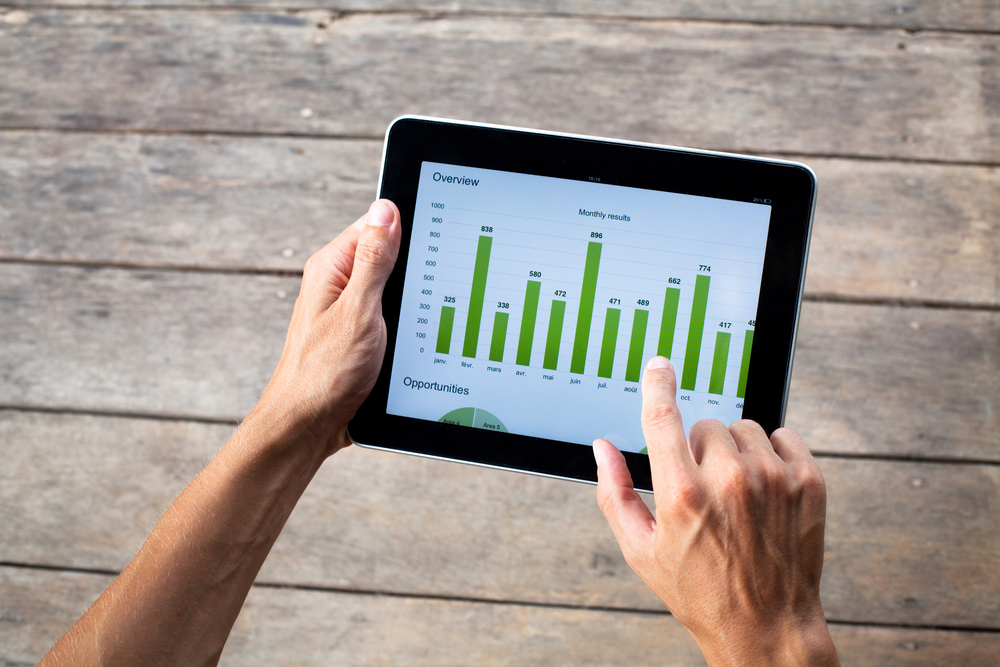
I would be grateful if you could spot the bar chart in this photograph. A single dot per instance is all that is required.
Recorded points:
(609, 338)
(540, 300)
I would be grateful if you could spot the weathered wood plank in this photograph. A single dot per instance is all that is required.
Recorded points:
(313, 627)
(883, 229)
(867, 379)
(756, 88)
(917, 14)
(906, 231)
(220, 202)
(278, 627)
(899, 647)
(145, 341)
(37, 607)
(911, 543)
(909, 381)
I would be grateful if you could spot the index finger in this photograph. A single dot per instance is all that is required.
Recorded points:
(661, 422)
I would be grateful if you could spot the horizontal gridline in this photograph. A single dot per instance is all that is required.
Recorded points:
(615, 244)
(572, 224)
(575, 281)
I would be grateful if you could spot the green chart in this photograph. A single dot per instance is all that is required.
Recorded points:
(528, 322)
(607, 329)
(478, 295)
(695, 332)
(586, 314)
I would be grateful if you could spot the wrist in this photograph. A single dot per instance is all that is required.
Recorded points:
(290, 412)
(797, 643)
(281, 423)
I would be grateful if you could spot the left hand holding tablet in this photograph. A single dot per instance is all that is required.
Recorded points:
(337, 337)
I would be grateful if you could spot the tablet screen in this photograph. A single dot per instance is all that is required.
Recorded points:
(531, 304)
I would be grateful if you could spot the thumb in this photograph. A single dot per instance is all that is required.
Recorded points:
(630, 519)
(377, 249)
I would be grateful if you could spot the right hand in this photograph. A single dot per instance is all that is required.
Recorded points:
(735, 550)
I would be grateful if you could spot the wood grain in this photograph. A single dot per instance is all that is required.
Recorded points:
(809, 90)
(220, 202)
(156, 342)
(908, 381)
(278, 627)
(884, 230)
(906, 231)
(916, 14)
(900, 647)
(153, 172)
(311, 627)
(910, 543)
(867, 379)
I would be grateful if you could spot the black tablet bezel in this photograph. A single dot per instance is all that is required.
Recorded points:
(788, 187)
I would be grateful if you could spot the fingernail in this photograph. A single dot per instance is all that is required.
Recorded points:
(657, 362)
(380, 214)
(598, 454)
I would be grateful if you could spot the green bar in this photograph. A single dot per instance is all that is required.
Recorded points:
(554, 336)
(741, 390)
(587, 292)
(499, 336)
(610, 340)
(444, 329)
(669, 322)
(695, 332)
(719, 363)
(477, 297)
(528, 323)
(635, 347)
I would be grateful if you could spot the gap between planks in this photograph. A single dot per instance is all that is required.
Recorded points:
(243, 134)
(337, 14)
(491, 601)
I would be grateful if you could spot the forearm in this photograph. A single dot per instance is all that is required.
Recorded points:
(178, 599)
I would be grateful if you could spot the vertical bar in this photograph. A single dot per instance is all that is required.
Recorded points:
(635, 347)
(477, 296)
(528, 323)
(444, 329)
(695, 332)
(719, 362)
(586, 313)
(741, 390)
(554, 335)
(499, 336)
(610, 340)
(669, 322)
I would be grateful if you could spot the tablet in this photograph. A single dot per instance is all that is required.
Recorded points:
(539, 272)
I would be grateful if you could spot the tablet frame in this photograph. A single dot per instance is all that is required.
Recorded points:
(789, 187)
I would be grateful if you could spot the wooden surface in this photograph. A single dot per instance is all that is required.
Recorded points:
(966, 15)
(884, 230)
(289, 626)
(161, 185)
(495, 536)
(814, 90)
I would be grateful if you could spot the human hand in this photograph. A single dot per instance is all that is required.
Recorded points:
(735, 550)
(337, 337)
